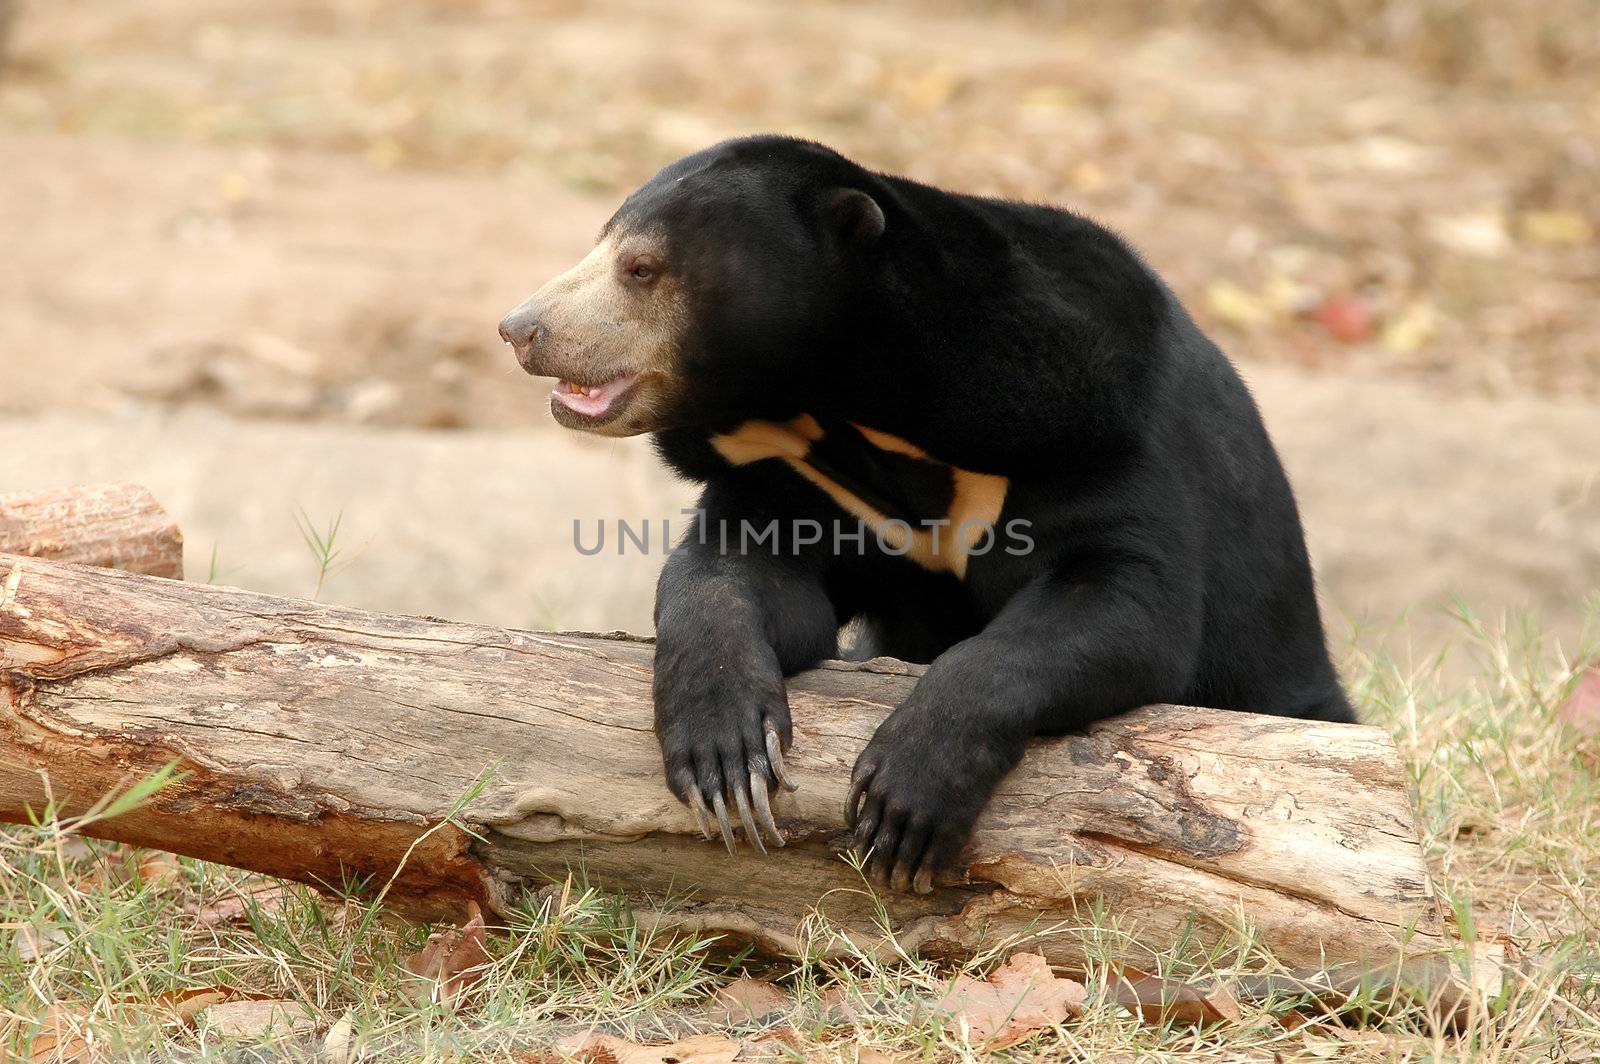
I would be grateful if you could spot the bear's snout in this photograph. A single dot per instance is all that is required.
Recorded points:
(525, 331)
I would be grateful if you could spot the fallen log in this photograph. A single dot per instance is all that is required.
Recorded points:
(321, 743)
(119, 526)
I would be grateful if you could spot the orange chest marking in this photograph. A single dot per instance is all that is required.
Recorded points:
(932, 512)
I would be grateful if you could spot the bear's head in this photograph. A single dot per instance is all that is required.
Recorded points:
(711, 291)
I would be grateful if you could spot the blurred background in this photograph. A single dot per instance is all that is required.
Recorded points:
(253, 255)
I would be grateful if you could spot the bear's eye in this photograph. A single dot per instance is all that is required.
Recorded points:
(640, 269)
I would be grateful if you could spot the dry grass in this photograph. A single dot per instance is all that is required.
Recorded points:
(1509, 798)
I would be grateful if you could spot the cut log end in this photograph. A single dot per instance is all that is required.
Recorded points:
(117, 526)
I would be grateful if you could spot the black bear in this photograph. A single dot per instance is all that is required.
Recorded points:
(983, 431)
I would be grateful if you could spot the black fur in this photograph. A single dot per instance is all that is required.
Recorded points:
(1005, 338)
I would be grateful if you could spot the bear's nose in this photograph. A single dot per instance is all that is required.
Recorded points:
(523, 330)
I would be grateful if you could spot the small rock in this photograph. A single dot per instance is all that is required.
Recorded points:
(1478, 233)
(258, 1019)
(371, 400)
(35, 940)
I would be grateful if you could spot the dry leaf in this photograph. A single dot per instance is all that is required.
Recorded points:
(1321, 1050)
(1555, 227)
(126, 864)
(265, 1019)
(76, 848)
(932, 89)
(449, 964)
(608, 1049)
(869, 1055)
(235, 188)
(1159, 1000)
(835, 1006)
(187, 1004)
(236, 907)
(747, 1000)
(1235, 306)
(838, 1005)
(121, 866)
(1346, 318)
(158, 868)
(783, 1044)
(1087, 177)
(58, 1039)
(336, 1043)
(1582, 707)
(1286, 296)
(1412, 328)
(1020, 998)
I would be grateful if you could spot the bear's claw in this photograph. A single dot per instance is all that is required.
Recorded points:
(753, 806)
(741, 797)
(724, 756)
(697, 806)
(758, 795)
(721, 808)
(775, 758)
(915, 793)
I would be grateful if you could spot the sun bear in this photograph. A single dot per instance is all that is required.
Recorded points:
(981, 434)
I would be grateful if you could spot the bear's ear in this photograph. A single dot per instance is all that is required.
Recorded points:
(854, 216)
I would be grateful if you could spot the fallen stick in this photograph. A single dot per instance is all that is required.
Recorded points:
(119, 526)
(322, 744)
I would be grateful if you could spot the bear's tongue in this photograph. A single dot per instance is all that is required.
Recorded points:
(592, 400)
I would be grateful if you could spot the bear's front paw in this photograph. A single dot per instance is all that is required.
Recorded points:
(723, 730)
(915, 793)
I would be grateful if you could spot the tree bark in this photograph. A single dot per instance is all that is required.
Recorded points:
(319, 743)
(118, 526)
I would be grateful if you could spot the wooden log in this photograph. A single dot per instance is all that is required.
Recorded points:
(319, 743)
(118, 526)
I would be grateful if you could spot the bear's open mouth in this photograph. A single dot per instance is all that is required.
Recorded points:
(594, 404)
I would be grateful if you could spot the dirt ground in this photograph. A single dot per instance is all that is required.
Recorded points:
(279, 216)
(253, 256)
